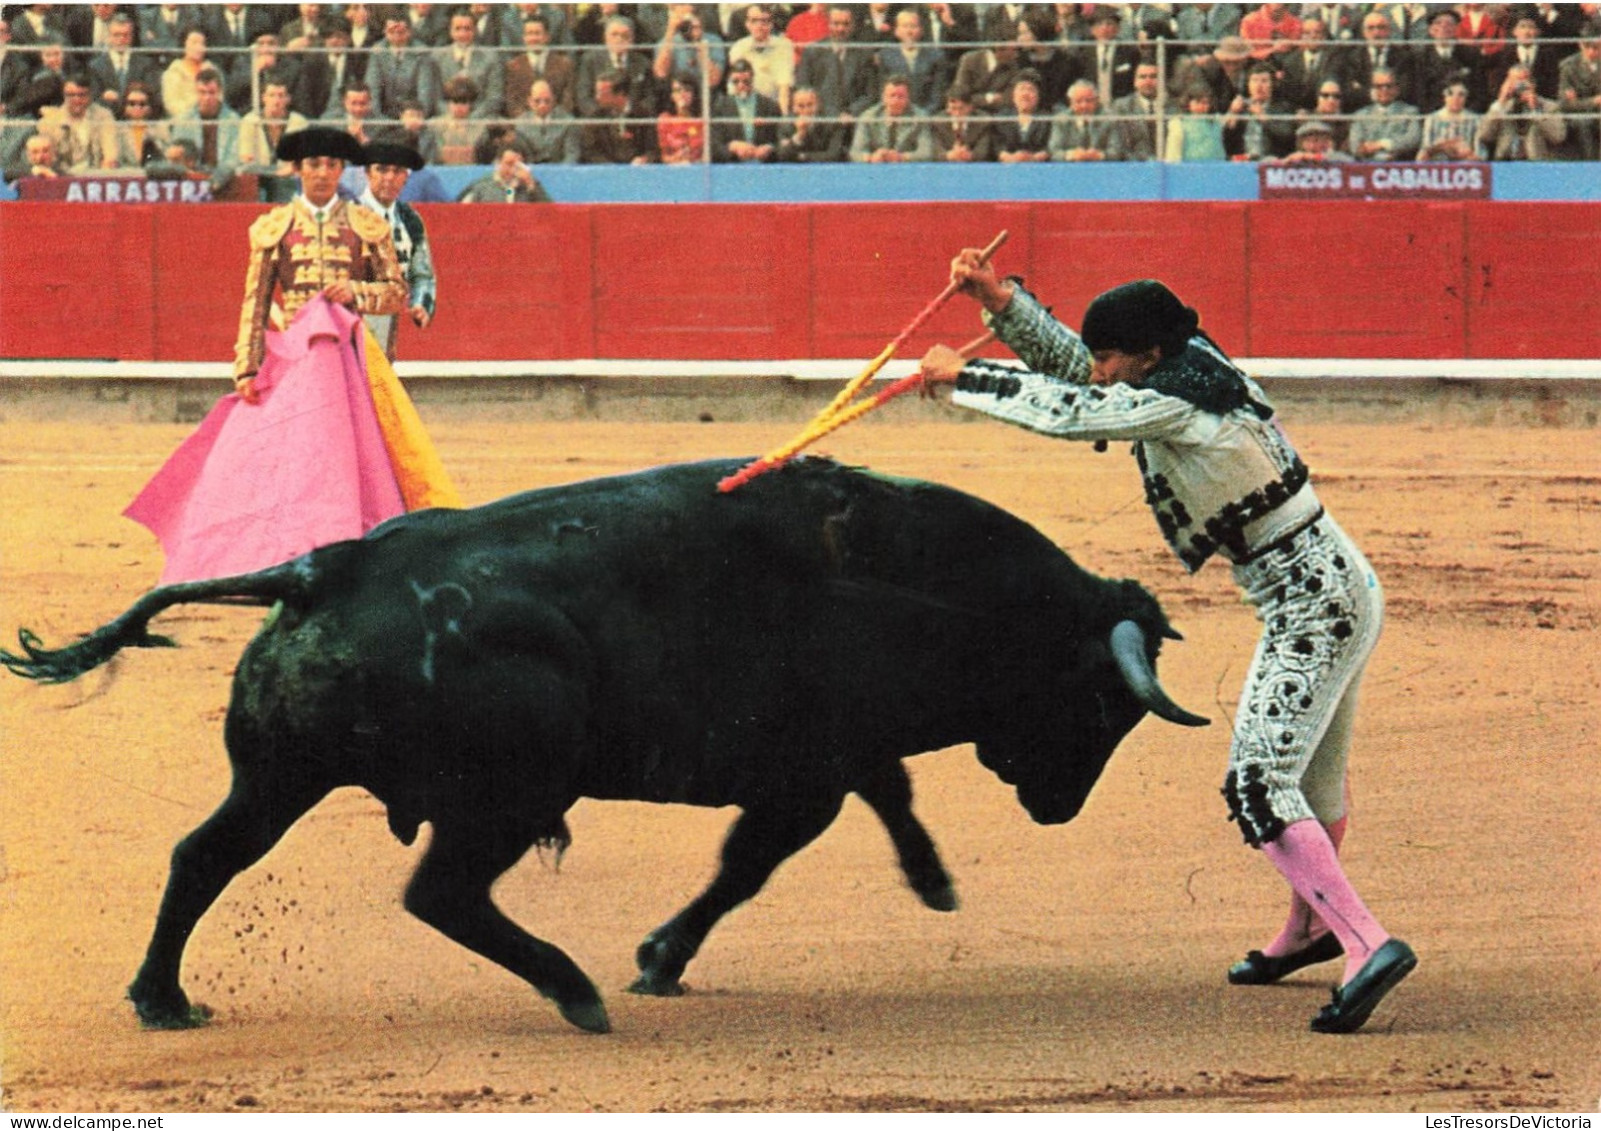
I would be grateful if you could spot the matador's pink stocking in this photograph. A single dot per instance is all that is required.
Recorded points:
(1304, 855)
(1303, 927)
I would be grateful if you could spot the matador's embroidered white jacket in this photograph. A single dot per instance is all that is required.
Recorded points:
(1219, 475)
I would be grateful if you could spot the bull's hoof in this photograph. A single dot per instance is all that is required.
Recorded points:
(590, 1016)
(656, 986)
(941, 898)
(167, 1012)
(661, 958)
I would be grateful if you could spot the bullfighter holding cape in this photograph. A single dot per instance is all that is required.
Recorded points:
(319, 442)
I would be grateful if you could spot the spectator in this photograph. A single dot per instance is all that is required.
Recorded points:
(1136, 114)
(1085, 133)
(113, 70)
(1259, 126)
(809, 137)
(465, 59)
(999, 22)
(964, 135)
(389, 166)
(429, 24)
(1330, 110)
(1107, 64)
(804, 28)
(327, 74)
(1386, 129)
(772, 57)
(514, 16)
(1341, 22)
(1451, 133)
(623, 134)
(894, 130)
(618, 54)
(354, 115)
(839, 69)
(413, 134)
(688, 48)
(140, 139)
(984, 75)
(539, 63)
(397, 72)
(1313, 63)
(745, 126)
(511, 182)
(548, 133)
(1441, 62)
(87, 29)
(265, 63)
(363, 25)
(1024, 135)
(1200, 27)
(15, 69)
(1520, 125)
(1271, 32)
(37, 159)
(951, 29)
(1196, 135)
(1481, 25)
(163, 27)
(178, 80)
(923, 67)
(1375, 54)
(456, 131)
(1544, 64)
(306, 31)
(1579, 92)
(85, 135)
(210, 126)
(1314, 144)
(1223, 72)
(1037, 53)
(681, 131)
(261, 130)
(878, 24)
(231, 31)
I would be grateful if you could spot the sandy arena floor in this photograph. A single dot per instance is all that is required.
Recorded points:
(1084, 971)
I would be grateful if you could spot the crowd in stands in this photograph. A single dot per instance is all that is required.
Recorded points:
(208, 90)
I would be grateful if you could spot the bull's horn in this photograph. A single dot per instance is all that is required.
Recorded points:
(1128, 649)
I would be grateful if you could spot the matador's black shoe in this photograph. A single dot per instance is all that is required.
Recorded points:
(1355, 1001)
(1258, 969)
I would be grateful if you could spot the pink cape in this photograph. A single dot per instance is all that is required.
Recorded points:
(259, 484)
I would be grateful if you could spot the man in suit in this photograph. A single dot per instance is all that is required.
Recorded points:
(985, 76)
(539, 63)
(745, 126)
(113, 69)
(548, 133)
(1314, 61)
(895, 130)
(967, 136)
(210, 125)
(231, 30)
(625, 134)
(617, 54)
(839, 68)
(1386, 129)
(809, 138)
(463, 57)
(924, 68)
(1375, 53)
(1085, 133)
(1579, 91)
(1135, 114)
(15, 69)
(1441, 62)
(325, 75)
(1543, 63)
(398, 72)
(1107, 63)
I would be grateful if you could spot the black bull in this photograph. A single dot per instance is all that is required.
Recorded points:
(646, 638)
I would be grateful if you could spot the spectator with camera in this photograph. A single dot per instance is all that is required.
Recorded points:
(688, 48)
(1579, 92)
(1520, 125)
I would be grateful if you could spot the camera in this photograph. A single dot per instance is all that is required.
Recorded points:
(686, 28)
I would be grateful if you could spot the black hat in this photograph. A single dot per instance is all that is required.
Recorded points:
(1136, 316)
(321, 141)
(394, 153)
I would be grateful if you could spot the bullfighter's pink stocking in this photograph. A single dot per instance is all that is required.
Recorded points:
(1303, 927)
(1304, 855)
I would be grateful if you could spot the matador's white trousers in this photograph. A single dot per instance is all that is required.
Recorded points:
(1321, 608)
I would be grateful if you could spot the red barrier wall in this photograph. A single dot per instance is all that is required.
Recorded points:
(730, 281)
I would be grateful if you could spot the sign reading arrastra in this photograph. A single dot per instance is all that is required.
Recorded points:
(1350, 180)
(134, 190)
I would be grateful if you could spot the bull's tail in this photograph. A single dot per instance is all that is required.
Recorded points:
(132, 629)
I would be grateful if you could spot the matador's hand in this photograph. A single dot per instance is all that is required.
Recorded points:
(341, 292)
(246, 388)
